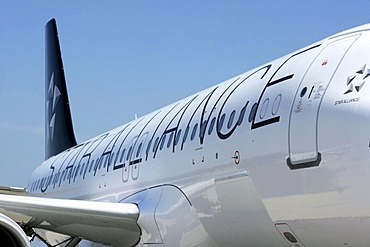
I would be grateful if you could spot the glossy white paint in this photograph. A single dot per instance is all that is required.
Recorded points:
(277, 156)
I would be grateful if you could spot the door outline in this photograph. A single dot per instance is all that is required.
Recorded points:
(303, 98)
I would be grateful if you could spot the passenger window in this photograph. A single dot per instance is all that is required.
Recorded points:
(221, 123)
(170, 140)
(71, 172)
(129, 153)
(163, 141)
(156, 142)
(91, 165)
(185, 134)
(231, 119)
(211, 125)
(203, 129)
(108, 159)
(194, 132)
(122, 155)
(241, 116)
(177, 137)
(77, 169)
(115, 161)
(253, 112)
(105, 161)
(96, 164)
(148, 147)
(82, 168)
(86, 167)
(101, 161)
(138, 150)
(112, 156)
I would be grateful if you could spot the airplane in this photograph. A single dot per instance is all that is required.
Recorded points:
(276, 156)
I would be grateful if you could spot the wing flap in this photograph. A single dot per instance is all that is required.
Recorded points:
(102, 222)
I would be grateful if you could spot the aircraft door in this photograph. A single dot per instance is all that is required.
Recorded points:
(303, 150)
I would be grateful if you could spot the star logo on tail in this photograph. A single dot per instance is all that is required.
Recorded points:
(54, 95)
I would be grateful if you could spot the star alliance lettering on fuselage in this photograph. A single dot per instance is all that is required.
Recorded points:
(171, 127)
(346, 101)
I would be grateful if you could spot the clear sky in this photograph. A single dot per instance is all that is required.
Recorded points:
(131, 57)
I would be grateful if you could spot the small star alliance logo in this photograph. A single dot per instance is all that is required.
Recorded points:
(357, 81)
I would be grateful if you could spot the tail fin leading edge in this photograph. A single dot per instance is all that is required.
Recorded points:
(59, 134)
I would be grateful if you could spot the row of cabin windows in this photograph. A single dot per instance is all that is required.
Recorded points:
(105, 159)
(70, 173)
(161, 142)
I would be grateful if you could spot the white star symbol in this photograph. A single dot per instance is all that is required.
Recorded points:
(54, 93)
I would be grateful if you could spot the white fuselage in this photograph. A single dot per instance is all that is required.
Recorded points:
(281, 149)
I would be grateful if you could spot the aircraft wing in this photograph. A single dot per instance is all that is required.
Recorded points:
(13, 191)
(102, 222)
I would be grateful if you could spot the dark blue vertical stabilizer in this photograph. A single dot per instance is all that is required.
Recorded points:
(59, 134)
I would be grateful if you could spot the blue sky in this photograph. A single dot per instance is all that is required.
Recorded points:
(131, 57)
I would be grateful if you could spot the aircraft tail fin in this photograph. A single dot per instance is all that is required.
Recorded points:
(59, 134)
